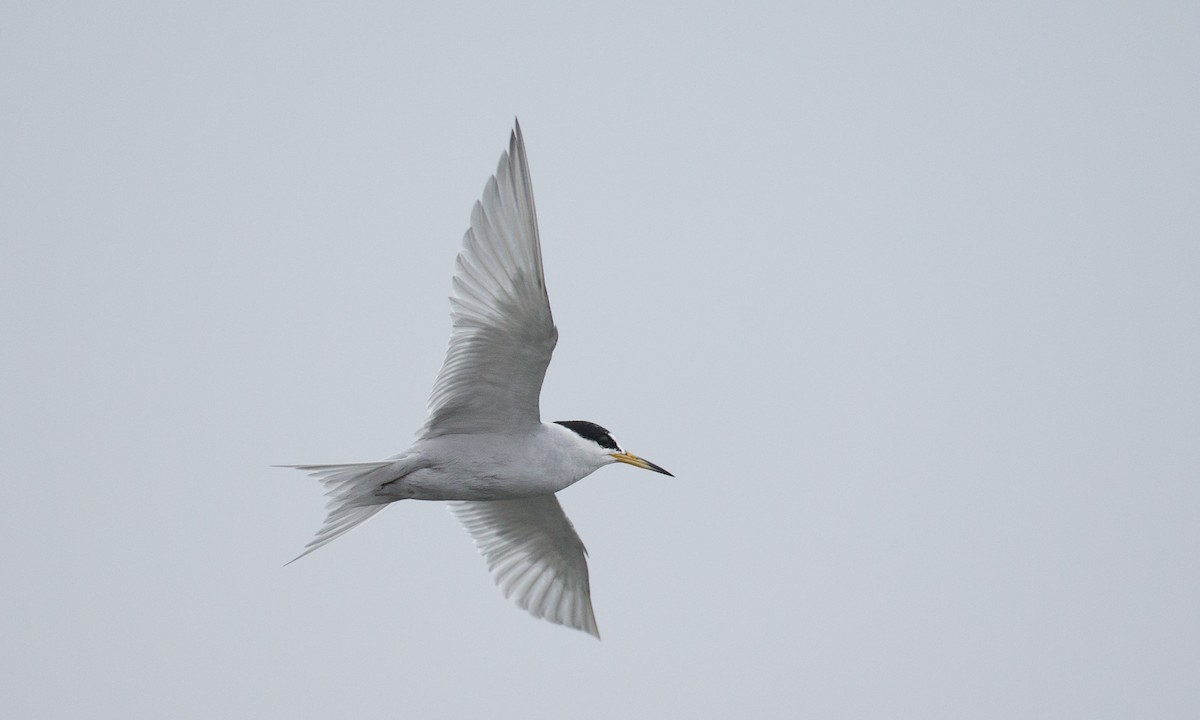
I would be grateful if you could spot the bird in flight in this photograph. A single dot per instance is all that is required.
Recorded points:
(484, 446)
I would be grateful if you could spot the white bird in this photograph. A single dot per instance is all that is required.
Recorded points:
(484, 445)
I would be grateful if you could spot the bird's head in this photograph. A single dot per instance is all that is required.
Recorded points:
(599, 442)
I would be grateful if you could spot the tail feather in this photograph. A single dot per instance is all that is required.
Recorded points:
(352, 501)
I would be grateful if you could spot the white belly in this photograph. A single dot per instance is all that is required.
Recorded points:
(483, 467)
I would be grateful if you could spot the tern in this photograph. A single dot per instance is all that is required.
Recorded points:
(483, 445)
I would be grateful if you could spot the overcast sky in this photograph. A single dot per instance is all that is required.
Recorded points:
(907, 297)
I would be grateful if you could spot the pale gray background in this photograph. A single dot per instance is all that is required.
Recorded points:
(906, 297)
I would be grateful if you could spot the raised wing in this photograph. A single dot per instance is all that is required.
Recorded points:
(503, 333)
(534, 555)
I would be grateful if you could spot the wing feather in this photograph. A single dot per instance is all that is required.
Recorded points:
(503, 333)
(534, 555)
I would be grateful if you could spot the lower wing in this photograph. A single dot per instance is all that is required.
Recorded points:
(534, 555)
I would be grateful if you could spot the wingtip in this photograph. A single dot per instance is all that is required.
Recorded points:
(518, 139)
(589, 622)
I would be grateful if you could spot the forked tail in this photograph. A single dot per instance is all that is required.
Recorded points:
(351, 489)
